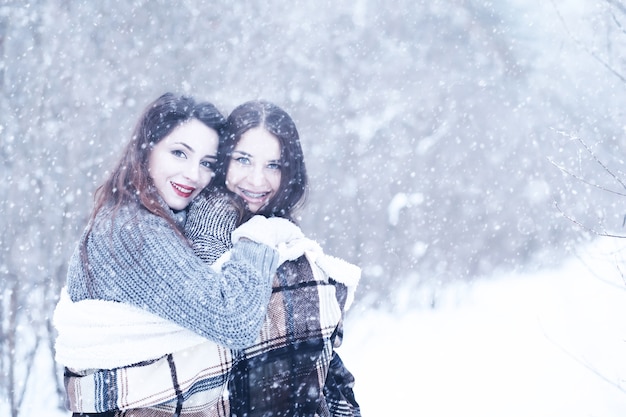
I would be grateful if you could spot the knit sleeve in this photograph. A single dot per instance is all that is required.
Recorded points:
(145, 263)
(210, 222)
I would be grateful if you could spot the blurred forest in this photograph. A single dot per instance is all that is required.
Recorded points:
(445, 140)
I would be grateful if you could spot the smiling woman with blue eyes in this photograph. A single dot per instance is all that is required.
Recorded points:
(255, 171)
(292, 369)
(260, 160)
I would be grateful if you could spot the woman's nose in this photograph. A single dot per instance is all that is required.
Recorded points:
(193, 173)
(257, 177)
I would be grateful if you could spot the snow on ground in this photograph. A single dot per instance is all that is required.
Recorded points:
(550, 343)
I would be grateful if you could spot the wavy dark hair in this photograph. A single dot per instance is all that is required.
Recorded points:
(130, 180)
(130, 183)
(293, 187)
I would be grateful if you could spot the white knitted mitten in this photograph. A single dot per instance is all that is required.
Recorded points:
(270, 231)
(289, 251)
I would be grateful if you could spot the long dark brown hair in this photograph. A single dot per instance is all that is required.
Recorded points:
(130, 183)
(293, 183)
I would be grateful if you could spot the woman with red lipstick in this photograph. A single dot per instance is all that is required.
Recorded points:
(134, 267)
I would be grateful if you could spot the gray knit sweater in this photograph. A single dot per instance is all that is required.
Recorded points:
(137, 258)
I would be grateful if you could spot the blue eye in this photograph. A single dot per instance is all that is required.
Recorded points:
(243, 160)
(274, 165)
(207, 164)
(179, 154)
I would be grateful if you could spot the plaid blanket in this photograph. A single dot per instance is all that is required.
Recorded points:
(196, 376)
(291, 370)
(288, 371)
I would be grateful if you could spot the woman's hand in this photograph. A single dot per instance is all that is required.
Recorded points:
(270, 232)
(289, 251)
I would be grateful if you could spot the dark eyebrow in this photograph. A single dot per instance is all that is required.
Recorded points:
(252, 156)
(193, 150)
(185, 145)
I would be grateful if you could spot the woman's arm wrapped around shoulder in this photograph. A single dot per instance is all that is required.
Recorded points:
(145, 263)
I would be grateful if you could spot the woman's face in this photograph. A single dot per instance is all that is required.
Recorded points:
(182, 163)
(254, 172)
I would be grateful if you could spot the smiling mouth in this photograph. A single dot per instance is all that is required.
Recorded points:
(254, 196)
(182, 190)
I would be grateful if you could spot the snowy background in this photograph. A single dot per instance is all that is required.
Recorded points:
(545, 344)
(461, 152)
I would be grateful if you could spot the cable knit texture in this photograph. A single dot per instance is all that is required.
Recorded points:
(137, 258)
(210, 221)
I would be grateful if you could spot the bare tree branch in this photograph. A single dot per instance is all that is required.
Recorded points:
(584, 363)
(618, 23)
(584, 181)
(30, 361)
(596, 160)
(600, 277)
(586, 49)
(579, 224)
(618, 5)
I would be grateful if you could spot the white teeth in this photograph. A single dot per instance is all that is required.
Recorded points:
(181, 189)
(253, 195)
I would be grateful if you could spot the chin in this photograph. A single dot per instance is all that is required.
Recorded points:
(178, 205)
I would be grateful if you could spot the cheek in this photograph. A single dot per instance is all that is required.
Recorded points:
(230, 180)
(275, 181)
(206, 179)
(156, 165)
(234, 176)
